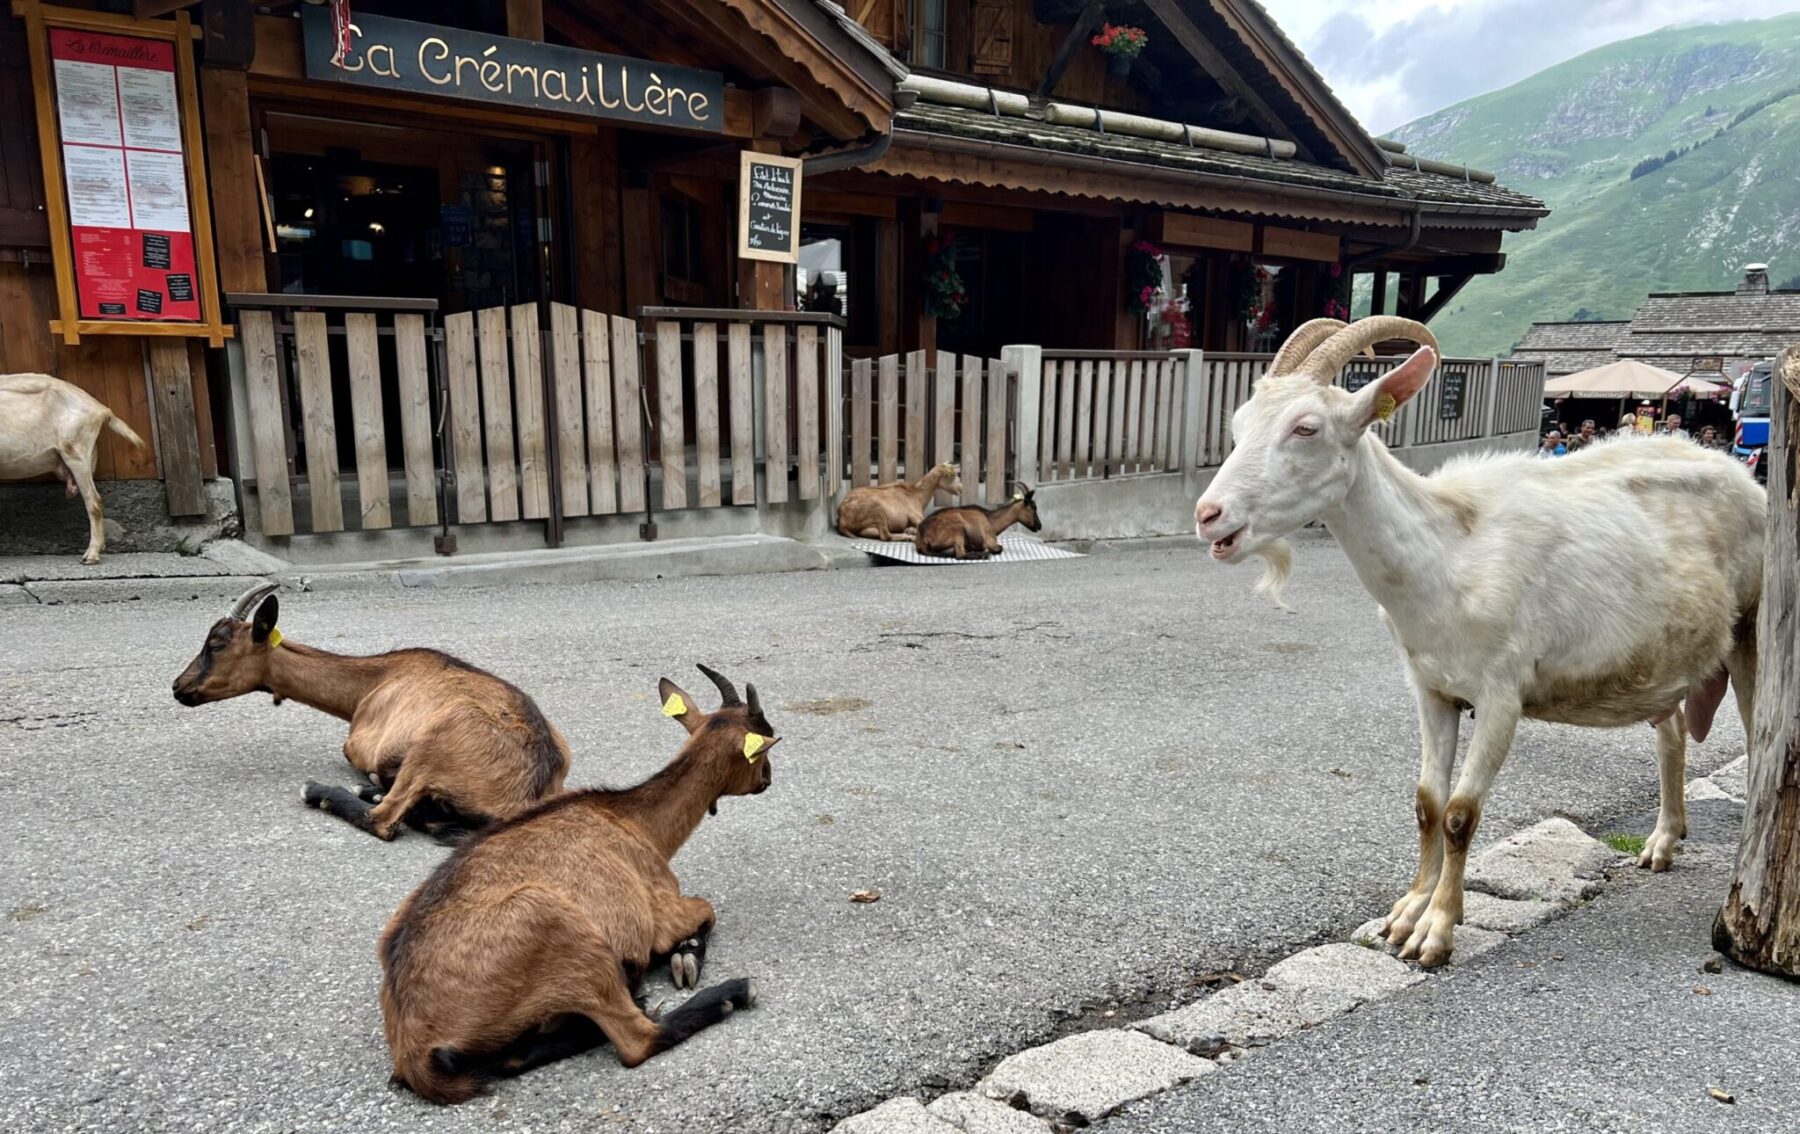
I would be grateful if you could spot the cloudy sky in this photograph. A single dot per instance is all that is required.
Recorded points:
(1394, 60)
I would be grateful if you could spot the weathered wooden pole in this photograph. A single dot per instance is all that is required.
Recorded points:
(1759, 924)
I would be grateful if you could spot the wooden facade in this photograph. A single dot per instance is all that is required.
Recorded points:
(1046, 214)
(316, 185)
(320, 186)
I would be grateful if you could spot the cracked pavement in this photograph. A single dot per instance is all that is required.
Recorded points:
(1078, 785)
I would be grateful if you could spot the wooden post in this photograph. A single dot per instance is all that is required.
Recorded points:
(1759, 924)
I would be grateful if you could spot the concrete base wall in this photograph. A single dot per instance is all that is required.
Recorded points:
(38, 518)
(1158, 504)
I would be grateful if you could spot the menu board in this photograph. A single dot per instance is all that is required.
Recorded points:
(1451, 386)
(769, 207)
(130, 227)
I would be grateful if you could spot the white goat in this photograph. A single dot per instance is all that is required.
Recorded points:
(49, 426)
(1599, 589)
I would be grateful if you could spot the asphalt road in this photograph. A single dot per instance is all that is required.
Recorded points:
(1076, 784)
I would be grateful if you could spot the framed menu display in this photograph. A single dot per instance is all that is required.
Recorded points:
(125, 180)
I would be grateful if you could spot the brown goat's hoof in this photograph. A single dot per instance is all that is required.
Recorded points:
(315, 794)
(749, 994)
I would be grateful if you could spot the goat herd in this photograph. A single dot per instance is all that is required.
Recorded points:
(1618, 586)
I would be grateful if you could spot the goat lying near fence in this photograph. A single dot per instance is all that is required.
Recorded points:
(1642, 593)
(50, 426)
(973, 532)
(893, 511)
(448, 748)
(526, 945)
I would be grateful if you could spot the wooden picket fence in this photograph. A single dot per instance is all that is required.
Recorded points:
(473, 406)
(1110, 413)
(965, 415)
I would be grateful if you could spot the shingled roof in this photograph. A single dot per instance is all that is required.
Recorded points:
(1673, 330)
(1565, 348)
(1454, 201)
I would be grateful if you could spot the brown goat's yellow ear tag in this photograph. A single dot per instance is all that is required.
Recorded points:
(1385, 405)
(674, 706)
(274, 636)
(752, 745)
(1018, 496)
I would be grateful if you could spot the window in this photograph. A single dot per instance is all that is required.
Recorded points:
(929, 23)
(683, 274)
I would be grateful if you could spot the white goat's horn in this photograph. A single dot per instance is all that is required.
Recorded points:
(240, 610)
(1331, 355)
(1305, 339)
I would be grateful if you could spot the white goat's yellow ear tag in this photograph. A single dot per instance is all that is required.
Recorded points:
(752, 745)
(274, 636)
(1385, 405)
(674, 706)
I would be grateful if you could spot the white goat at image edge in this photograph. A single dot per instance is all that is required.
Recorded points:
(1612, 586)
(48, 426)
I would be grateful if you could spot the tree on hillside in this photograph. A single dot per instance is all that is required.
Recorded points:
(1792, 283)
(1759, 924)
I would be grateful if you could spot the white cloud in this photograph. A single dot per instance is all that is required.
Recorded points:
(1393, 61)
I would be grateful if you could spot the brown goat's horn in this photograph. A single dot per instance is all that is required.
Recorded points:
(1331, 355)
(1024, 489)
(1305, 339)
(240, 610)
(727, 691)
(750, 699)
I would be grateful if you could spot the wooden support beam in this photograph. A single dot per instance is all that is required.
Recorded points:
(525, 19)
(1079, 32)
(1447, 288)
(1216, 65)
(152, 9)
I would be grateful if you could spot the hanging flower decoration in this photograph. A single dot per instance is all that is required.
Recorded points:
(944, 292)
(1121, 40)
(1337, 299)
(1143, 276)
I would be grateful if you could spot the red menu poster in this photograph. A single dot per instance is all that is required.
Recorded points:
(120, 123)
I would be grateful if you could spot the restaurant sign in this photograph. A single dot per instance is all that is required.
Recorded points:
(415, 58)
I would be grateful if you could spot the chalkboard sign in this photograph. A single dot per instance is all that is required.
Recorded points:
(1450, 393)
(1357, 377)
(769, 207)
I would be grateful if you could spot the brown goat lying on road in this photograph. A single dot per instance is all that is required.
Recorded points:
(972, 532)
(447, 747)
(889, 511)
(527, 944)
(50, 426)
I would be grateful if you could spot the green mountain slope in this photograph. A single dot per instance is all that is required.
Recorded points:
(1727, 94)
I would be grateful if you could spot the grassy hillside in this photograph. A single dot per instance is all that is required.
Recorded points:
(1724, 97)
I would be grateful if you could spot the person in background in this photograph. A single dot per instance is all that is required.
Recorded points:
(1552, 445)
(1627, 425)
(1672, 426)
(1709, 438)
(1588, 435)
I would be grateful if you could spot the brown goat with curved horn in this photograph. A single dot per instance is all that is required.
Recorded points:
(447, 747)
(527, 945)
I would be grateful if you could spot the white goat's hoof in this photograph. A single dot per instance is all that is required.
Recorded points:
(91, 558)
(1659, 851)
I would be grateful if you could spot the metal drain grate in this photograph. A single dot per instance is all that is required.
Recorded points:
(1020, 548)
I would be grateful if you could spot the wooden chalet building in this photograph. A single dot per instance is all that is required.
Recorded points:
(179, 173)
(1220, 146)
(1716, 334)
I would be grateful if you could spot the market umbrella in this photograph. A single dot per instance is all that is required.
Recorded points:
(1695, 386)
(1626, 378)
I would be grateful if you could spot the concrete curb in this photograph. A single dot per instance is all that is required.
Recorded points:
(237, 566)
(1533, 875)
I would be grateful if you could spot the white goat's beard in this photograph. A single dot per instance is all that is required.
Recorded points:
(1278, 563)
